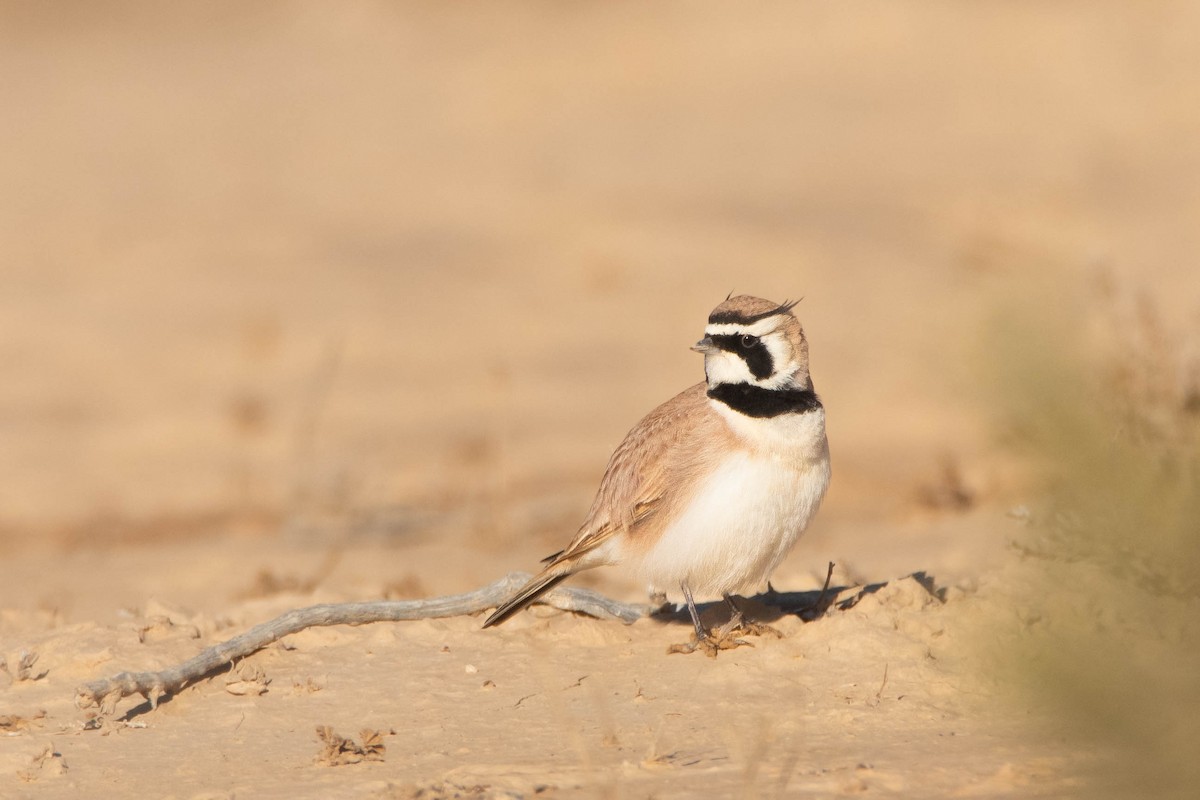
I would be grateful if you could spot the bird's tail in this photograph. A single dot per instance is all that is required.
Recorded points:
(538, 585)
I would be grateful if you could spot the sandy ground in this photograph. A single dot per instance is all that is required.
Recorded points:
(304, 305)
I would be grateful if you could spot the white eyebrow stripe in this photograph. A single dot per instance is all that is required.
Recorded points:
(760, 328)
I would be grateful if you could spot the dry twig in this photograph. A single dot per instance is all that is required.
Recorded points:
(154, 686)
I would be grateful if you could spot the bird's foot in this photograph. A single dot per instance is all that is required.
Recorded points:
(710, 644)
(739, 625)
(744, 627)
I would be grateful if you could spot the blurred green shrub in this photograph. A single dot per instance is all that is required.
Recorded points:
(1107, 635)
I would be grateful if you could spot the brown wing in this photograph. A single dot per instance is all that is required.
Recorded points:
(653, 469)
(648, 470)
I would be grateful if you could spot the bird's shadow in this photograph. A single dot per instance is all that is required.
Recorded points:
(809, 606)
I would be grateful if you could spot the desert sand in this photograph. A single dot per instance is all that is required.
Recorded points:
(307, 304)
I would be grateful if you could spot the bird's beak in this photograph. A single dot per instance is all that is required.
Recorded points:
(705, 345)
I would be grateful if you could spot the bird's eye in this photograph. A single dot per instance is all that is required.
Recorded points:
(749, 341)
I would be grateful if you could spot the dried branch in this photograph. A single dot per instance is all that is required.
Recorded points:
(156, 685)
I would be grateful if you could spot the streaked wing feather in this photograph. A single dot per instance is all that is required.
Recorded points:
(636, 481)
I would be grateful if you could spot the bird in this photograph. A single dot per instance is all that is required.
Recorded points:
(709, 491)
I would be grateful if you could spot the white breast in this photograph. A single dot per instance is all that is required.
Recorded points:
(747, 514)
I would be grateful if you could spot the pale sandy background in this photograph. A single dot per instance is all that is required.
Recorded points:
(307, 302)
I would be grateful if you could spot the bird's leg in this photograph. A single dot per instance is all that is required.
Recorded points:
(735, 613)
(691, 604)
(705, 641)
(738, 625)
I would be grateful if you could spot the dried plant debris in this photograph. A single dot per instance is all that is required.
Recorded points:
(445, 790)
(161, 627)
(96, 721)
(246, 678)
(22, 666)
(48, 763)
(15, 723)
(338, 750)
(159, 621)
(309, 685)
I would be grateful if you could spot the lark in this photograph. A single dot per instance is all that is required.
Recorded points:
(710, 491)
